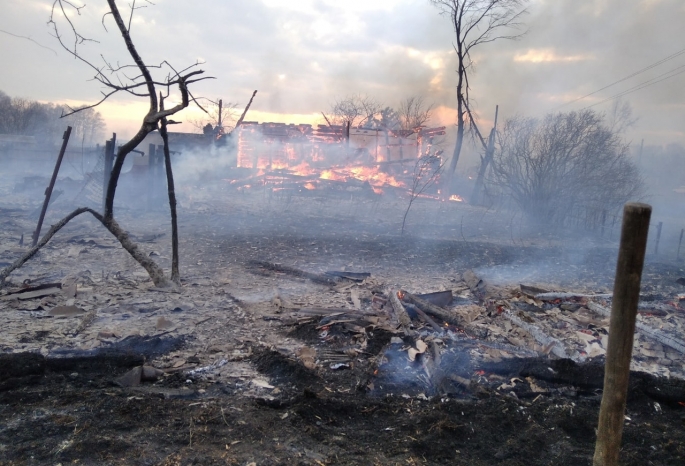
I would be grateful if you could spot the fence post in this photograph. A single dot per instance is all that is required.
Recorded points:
(110, 147)
(151, 157)
(48, 191)
(631, 258)
(680, 241)
(658, 237)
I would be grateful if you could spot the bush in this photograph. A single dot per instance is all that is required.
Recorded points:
(567, 168)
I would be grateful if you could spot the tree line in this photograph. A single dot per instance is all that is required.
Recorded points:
(43, 121)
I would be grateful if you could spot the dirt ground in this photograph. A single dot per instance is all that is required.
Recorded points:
(242, 396)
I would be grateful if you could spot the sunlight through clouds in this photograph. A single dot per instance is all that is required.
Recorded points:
(548, 55)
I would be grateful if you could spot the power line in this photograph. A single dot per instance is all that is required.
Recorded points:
(649, 82)
(640, 71)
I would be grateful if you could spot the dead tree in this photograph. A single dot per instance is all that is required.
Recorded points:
(220, 115)
(114, 79)
(355, 110)
(426, 173)
(475, 22)
(485, 163)
(414, 112)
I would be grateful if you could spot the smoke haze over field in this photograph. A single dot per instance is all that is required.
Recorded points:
(303, 54)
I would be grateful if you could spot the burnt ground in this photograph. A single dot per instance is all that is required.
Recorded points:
(59, 403)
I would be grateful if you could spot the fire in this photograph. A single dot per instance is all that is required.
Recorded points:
(309, 186)
(456, 198)
(331, 175)
(372, 175)
(303, 169)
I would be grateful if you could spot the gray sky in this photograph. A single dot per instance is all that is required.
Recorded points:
(302, 54)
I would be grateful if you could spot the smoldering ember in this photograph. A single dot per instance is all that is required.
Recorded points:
(381, 285)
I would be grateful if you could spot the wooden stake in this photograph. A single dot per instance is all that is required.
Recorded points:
(48, 191)
(680, 242)
(631, 257)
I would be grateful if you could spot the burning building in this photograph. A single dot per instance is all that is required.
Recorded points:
(310, 156)
(279, 145)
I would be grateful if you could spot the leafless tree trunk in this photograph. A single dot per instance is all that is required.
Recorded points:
(143, 86)
(175, 274)
(485, 163)
(475, 22)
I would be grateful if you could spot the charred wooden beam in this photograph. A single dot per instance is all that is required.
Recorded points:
(425, 317)
(432, 309)
(315, 277)
(354, 276)
(646, 330)
(439, 298)
(556, 346)
(400, 311)
(553, 296)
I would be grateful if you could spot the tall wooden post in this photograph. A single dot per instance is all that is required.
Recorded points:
(658, 237)
(151, 175)
(48, 191)
(680, 242)
(631, 258)
(110, 148)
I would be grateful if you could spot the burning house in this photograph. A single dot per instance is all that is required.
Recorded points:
(279, 145)
(314, 155)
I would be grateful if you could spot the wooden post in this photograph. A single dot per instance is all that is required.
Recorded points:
(658, 238)
(110, 149)
(219, 124)
(680, 241)
(48, 191)
(151, 169)
(631, 257)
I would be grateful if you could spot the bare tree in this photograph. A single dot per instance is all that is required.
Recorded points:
(426, 173)
(355, 110)
(414, 112)
(567, 168)
(621, 116)
(115, 80)
(476, 22)
(220, 116)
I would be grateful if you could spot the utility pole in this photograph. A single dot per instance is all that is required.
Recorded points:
(219, 125)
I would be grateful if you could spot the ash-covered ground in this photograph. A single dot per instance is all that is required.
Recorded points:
(260, 366)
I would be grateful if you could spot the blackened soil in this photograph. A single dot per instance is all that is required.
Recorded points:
(67, 417)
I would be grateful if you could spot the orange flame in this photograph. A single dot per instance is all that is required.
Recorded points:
(456, 198)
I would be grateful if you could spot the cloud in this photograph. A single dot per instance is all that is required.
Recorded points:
(303, 54)
(548, 56)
